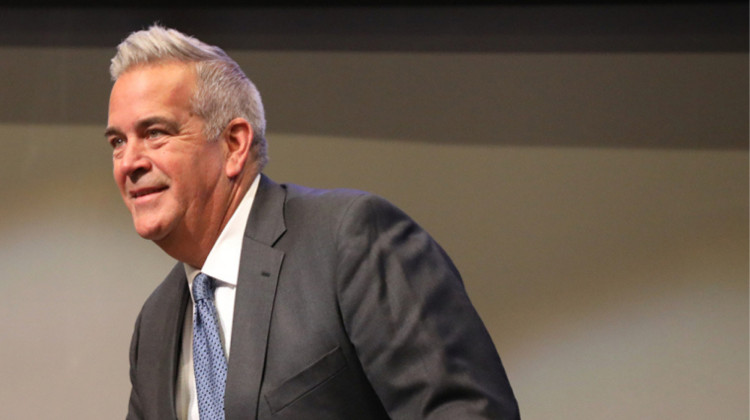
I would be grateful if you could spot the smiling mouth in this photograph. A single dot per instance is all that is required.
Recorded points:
(146, 191)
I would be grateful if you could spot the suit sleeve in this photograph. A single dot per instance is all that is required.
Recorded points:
(134, 404)
(420, 341)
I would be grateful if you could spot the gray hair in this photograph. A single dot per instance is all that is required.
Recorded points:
(223, 91)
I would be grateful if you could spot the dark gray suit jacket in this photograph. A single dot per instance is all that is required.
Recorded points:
(345, 309)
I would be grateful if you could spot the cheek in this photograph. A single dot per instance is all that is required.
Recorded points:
(117, 175)
(202, 173)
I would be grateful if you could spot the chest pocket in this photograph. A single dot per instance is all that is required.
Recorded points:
(305, 382)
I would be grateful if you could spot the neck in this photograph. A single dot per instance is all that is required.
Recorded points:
(193, 246)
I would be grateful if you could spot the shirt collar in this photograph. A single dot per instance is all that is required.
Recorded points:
(223, 261)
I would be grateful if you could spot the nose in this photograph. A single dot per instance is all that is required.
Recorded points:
(132, 162)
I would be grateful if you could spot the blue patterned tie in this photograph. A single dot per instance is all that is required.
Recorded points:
(209, 361)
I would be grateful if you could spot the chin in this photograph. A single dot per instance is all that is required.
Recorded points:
(152, 232)
(150, 235)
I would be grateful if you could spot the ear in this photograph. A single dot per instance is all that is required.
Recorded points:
(237, 137)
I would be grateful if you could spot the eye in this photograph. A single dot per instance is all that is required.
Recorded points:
(154, 133)
(116, 142)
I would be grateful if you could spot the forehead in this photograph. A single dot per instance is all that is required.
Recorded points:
(162, 84)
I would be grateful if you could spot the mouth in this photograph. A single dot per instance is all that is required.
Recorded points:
(142, 192)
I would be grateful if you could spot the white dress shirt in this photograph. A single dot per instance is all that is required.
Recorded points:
(222, 263)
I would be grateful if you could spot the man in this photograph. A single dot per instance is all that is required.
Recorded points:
(329, 304)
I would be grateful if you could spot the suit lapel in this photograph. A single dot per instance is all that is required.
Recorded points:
(260, 265)
(165, 330)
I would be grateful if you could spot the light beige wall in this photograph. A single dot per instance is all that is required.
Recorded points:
(601, 232)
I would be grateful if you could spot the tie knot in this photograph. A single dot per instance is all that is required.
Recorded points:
(203, 287)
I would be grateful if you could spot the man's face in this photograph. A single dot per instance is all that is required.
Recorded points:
(166, 170)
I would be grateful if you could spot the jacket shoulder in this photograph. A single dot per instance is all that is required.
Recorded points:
(168, 291)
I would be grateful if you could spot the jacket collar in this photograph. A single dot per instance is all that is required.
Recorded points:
(260, 265)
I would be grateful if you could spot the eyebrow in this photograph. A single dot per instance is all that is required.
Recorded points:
(111, 131)
(143, 124)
